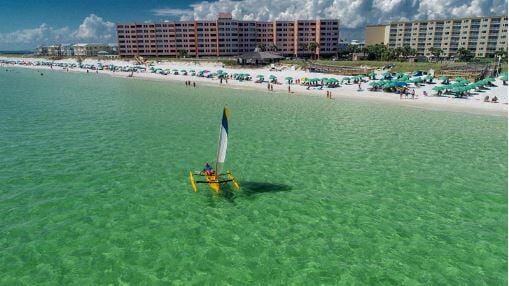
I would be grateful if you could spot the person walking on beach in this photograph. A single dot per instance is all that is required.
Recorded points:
(289, 89)
(271, 87)
(268, 86)
(413, 93)
(194, 84)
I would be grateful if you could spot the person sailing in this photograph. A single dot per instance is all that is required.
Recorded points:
(208, 170)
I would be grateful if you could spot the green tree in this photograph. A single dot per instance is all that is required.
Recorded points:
(376, 52)
(273, 47)
(182, 53)
(312, 46)
(464, 55)
(436, 52)
(408, 51)
(261, 46)
(502, 53)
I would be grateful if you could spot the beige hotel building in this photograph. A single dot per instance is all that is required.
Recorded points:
(483, 36)
(227, 37)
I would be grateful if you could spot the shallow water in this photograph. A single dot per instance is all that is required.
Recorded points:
(94, 190)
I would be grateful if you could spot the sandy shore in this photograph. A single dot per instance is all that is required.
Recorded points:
(472, 104)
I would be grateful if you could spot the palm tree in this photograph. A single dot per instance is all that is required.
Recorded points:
(408, 51)
(261, 46)
(502, 53)
(464, 55)
(436, 52)
(182, 53)
(312, 46)
(273, 47)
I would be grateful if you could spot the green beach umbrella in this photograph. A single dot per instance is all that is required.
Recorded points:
(260, 76)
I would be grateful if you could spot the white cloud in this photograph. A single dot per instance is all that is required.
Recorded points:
(353, 14)
(94, 28)
(43, 33)
(171, 12)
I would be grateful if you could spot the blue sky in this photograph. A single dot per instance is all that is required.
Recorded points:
(24, 24)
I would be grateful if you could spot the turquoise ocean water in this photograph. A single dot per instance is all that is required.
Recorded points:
(94, 190)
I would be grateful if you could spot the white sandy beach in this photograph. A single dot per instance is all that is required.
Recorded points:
(472, 104)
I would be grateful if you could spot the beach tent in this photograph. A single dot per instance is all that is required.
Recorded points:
(332, 82)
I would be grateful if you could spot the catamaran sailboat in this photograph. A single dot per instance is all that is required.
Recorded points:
(213, 177)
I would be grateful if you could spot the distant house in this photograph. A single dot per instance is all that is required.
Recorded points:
(91, 50)
(57, 50)
(41, 51)
(104, 55)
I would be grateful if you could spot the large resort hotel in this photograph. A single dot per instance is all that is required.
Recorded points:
(228, 37)
(483, 36)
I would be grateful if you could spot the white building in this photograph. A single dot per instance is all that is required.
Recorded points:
(483, 36)
(90, 50)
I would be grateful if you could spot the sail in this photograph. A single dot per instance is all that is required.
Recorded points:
(223, 141)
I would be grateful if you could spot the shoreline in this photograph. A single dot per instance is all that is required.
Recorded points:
(349, 91)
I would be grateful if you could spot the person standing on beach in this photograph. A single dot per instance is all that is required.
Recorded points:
(194, 84)
(268, 86)
(289, 89)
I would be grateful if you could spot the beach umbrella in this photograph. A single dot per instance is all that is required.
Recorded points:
(400, 83)
(503, 77)
(324, 79)
(260, 76)
(272, 76)
(490, 79)
(438, 88)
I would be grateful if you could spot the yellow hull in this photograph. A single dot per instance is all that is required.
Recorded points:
(193, 182)
(212, 181)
